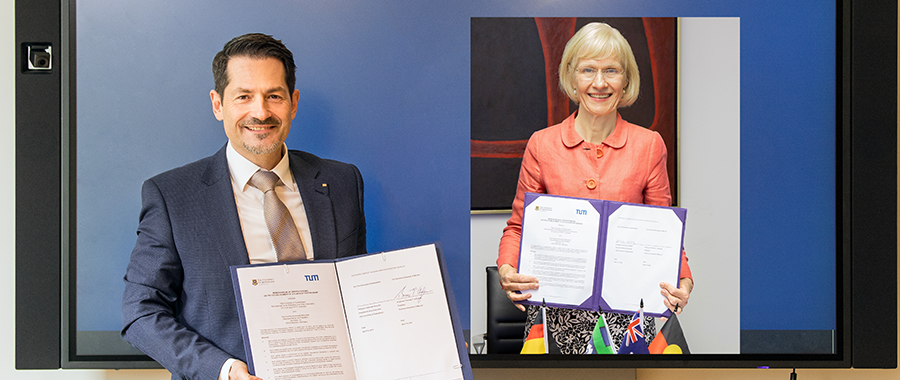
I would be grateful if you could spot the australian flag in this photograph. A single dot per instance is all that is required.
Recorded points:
(633, 342)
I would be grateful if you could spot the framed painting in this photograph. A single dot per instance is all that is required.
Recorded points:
(515, 92)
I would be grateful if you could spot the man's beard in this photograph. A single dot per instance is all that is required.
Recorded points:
(262, 149)
(265, 149)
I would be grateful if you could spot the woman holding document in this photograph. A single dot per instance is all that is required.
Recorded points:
(594, 153)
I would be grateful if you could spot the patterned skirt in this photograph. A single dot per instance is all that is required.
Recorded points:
(572, 328)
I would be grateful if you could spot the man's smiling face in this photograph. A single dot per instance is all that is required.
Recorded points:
(256, 108)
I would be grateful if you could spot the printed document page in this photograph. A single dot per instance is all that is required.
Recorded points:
(398, 316)
(643, 248)
(559, 247)
(295, 321)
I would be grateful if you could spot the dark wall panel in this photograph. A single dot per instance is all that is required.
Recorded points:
(873, 114)
(37, 199)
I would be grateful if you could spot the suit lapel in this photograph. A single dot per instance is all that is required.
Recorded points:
(222, 210)
(317, 203)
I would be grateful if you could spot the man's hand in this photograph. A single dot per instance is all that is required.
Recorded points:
(512, 281)
(239, 371)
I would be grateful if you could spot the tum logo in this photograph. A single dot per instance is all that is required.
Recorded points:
(311, 277)
(581, 212)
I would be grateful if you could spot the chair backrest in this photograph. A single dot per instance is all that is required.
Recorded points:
(505, 323)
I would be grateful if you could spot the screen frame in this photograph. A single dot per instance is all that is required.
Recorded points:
(865, 206)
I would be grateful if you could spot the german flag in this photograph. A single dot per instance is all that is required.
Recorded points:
(670, 339)
(536, 341)
(539, 340)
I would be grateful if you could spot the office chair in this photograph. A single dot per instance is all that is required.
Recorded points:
(505, 323)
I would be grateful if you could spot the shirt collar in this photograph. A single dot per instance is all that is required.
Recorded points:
(242, 169)
(571, 138)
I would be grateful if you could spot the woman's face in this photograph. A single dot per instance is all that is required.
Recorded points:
(599, 85)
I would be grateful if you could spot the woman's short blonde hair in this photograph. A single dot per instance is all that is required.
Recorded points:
(599, 41)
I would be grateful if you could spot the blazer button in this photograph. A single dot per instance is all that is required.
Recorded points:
(591, 183)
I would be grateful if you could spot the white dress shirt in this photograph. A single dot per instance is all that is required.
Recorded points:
(249, 202)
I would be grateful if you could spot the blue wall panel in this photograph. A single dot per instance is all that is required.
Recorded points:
(385, 85)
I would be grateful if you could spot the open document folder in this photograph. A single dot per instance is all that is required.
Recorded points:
(384, 315)
(594, 254)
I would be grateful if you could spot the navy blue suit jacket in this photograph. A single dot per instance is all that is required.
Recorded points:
(179, 306)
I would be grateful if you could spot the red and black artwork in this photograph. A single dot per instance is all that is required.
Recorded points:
(515, 91)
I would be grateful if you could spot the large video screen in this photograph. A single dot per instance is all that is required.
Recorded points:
(387, 86)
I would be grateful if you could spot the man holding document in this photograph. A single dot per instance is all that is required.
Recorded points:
(380, 316)
(254, 201)
(597, 155)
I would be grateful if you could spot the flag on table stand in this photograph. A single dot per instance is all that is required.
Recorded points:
(539, 340)
(536, 342)
(633, 342)
(600, 342)
(670, 339)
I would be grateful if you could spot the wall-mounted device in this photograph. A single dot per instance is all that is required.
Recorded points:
(38, 57)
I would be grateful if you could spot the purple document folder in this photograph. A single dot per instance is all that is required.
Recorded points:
(629, 261)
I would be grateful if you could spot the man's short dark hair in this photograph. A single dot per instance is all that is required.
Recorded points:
(253, 45)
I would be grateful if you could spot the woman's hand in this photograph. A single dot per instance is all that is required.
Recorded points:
(512, 281)
(676, 296)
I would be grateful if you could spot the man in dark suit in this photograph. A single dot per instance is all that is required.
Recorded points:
(199, 219)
